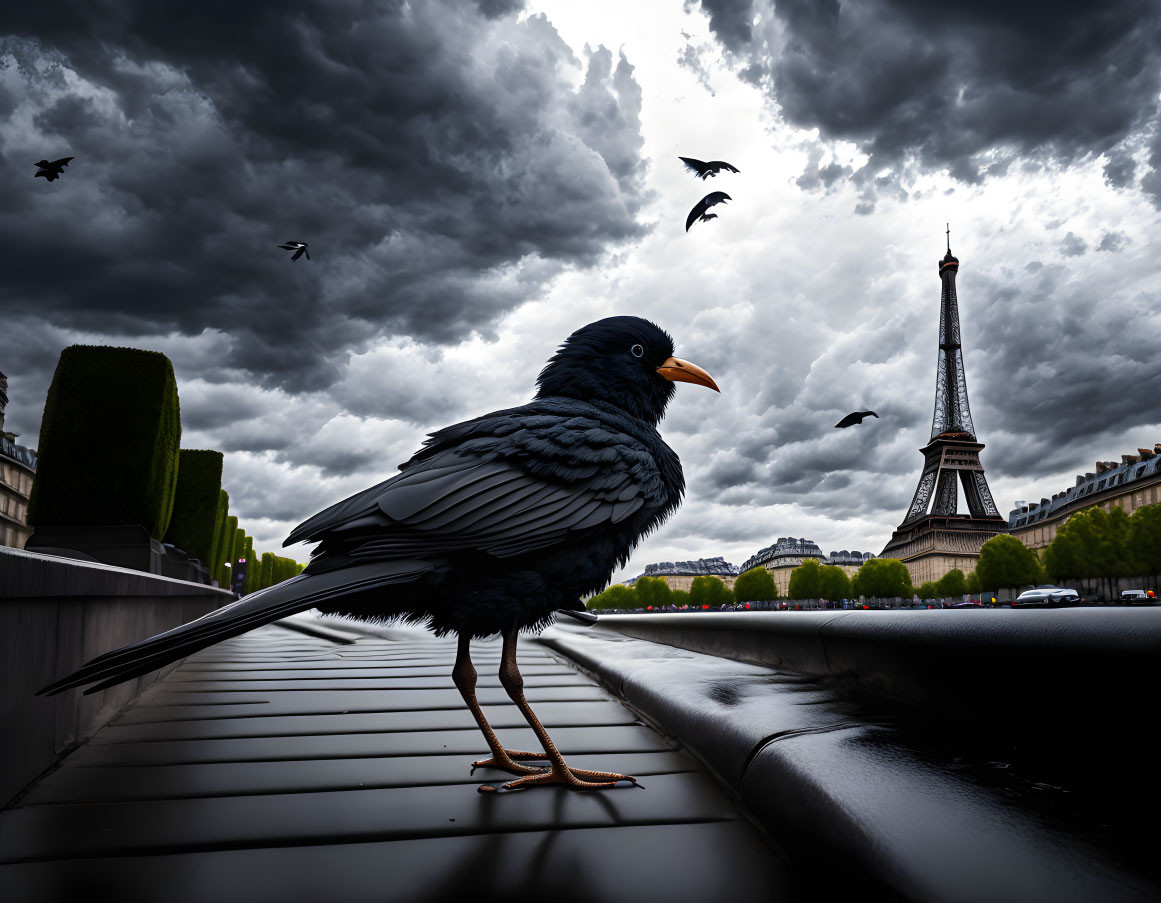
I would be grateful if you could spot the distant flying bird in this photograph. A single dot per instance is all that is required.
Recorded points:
(706, 217)
(494, 525)
(298, 247)
(706, 170)
(54, 170)
(698, 212)
(852, 419)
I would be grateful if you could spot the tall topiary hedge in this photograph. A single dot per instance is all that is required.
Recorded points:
(251, 566)
(237, 550)
(195, 503)
(220, 524)
(108, 441)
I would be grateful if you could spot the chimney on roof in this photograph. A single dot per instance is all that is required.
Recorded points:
(1146, 453)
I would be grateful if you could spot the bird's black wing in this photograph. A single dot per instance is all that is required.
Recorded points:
(297, 254)
(722, 164)
(47, 173)
(698, 210)
(63, 161)
(700, 169)
(849, 420)
(507, 484)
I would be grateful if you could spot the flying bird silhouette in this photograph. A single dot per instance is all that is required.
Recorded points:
(706, 170)
(706, 217)
(298, 247)
(495, 524)
(700, 208)
(54, 170)
(852, 419)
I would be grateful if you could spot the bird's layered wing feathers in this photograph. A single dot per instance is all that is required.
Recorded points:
(695, 166)
(515, 482)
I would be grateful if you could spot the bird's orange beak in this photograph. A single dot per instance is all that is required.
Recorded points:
(679, 371)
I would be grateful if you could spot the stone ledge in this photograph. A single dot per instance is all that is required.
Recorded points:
(30, 575)
(56, 614)
(839, 786)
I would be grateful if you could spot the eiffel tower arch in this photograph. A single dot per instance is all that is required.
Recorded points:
(933, 537)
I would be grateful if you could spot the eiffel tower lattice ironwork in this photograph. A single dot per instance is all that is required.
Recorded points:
(951, 457)
(952, 448)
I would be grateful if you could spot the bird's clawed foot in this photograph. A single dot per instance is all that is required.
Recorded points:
(508, 760)
(573, 778)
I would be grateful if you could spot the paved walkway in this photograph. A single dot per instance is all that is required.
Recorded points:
(284, 767)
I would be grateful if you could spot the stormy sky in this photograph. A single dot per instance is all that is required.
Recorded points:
(477, 180)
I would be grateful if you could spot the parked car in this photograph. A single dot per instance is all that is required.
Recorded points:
(1136, 597)
(1047, 597)
(970, 603)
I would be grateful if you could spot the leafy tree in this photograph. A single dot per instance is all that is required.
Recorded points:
(806, 581)
(1006, 562)
(267, 577)
(1145, 541)
(927, 590)
(616, 596)
(883, 578)
(971, 584)
(951, 584)
(678, 598)
(755, 585)
(652, 591)
(834, 583)
(709, 591)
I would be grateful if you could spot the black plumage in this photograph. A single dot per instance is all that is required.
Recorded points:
(852, 419)
(492, 526)
(54, 170)
(705, 170)
(699, 209)
(298, 247)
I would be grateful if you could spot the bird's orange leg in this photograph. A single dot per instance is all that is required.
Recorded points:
(559, 772)
(464, 676)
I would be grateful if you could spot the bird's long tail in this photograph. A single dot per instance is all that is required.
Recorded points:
(286, 598)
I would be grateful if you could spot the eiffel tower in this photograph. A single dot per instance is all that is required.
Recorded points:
(933, 538)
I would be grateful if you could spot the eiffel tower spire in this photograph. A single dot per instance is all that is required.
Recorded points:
(950, 457)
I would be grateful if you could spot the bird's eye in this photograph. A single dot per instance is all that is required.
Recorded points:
(637, 351)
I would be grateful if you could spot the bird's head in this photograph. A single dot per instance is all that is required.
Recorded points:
(623, 361)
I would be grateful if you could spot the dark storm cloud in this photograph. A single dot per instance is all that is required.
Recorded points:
(1056, 362)
(435, 156)
(959, 85)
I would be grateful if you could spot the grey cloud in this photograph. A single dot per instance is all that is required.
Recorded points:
(1113, 241)
(966, 87)
(1120, 169)
(440, 175)
(1073, 245)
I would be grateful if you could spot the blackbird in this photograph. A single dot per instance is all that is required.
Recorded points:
(492, 527)
(697, 214)
(856, 417)
(705, 171)
(54, 170)
(298, 247)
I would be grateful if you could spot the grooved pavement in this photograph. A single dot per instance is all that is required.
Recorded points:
(280, 766)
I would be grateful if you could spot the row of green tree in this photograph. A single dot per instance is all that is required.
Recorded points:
(109, 453)
(1096, 547)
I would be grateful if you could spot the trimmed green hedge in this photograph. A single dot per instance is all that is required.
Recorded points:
(221, 523)
(108, 441)
(195, 503)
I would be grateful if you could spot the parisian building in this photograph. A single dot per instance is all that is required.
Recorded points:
(17, 469)
(1131, 483)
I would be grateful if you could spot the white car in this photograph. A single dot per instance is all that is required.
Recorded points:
(1135, 596)
(1047, 597)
